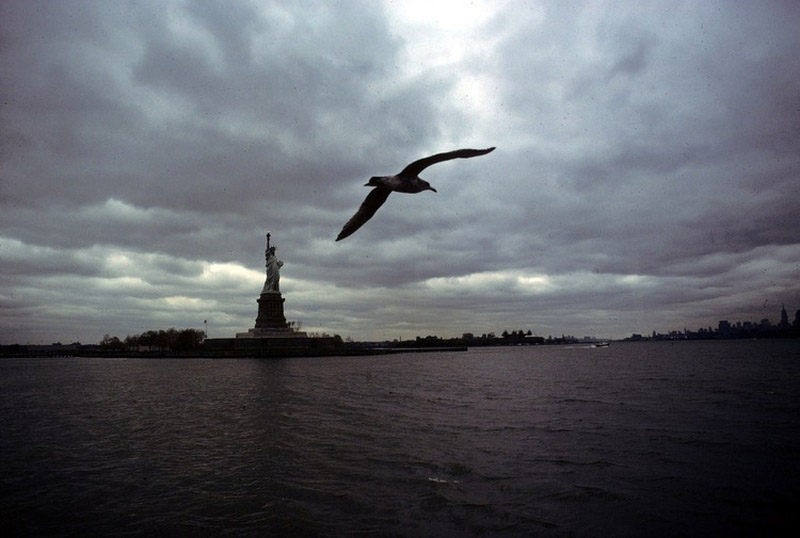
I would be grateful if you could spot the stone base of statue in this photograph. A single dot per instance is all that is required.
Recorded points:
(270, 311)
(260, 345)
(271, 322)
(271, 333)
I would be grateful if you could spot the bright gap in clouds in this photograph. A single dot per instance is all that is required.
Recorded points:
(537, 284)
(442, 38)
(440, 31)
(490, 280)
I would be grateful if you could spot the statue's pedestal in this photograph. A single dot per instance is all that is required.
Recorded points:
(272, 336)
(270, 311)
(271, 322)
(287, 332)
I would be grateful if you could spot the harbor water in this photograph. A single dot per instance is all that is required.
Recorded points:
(637, 439)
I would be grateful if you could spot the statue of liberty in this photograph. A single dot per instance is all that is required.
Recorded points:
(273, 270)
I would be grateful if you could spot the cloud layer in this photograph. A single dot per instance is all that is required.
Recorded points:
(646, 175)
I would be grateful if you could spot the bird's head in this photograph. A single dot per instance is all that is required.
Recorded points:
(374, 181)
(426, 186)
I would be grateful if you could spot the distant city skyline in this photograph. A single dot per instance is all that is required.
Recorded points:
(739, 328)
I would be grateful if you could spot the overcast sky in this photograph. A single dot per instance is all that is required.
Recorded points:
(646, 176)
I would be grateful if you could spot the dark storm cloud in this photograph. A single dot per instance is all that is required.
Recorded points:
(201, 106)
(664, 136)
(210, 103)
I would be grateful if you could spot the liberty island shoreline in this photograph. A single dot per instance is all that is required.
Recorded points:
(349, 349)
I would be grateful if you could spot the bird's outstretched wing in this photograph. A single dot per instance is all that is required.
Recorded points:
(416, 167)
(369, 206)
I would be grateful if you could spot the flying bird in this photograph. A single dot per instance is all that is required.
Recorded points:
(407, 181)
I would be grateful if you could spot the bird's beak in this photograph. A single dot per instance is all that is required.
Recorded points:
(431, 188)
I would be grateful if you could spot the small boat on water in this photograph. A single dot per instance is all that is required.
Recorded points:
(600, 344)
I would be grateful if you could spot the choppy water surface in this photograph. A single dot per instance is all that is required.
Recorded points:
(651, 439)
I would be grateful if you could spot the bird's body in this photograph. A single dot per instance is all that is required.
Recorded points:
(398, 183)
(407, 181)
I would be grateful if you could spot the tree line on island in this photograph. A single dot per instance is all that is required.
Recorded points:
(192, 339)
(161, 340)
(187, 340)
(506, 338)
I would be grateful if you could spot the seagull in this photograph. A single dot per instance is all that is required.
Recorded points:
(407, 181)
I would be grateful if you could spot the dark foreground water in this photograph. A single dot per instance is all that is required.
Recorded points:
(651, 439)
